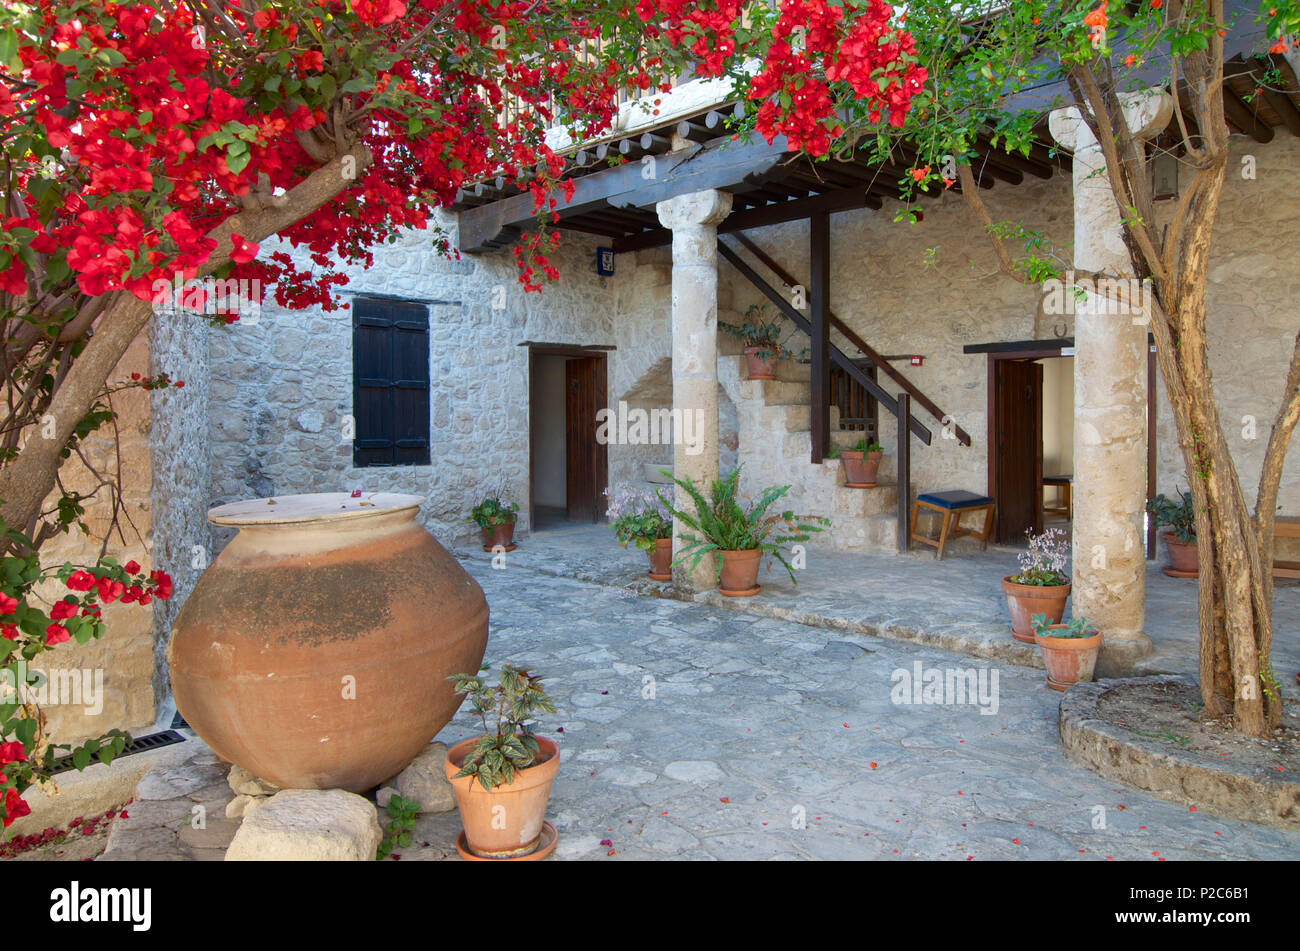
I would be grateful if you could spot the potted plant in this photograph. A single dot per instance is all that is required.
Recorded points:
(1069, 650)
(502, 779)
(1042, 585)
(495, 519)
(739, 536)
(1180, 540)
(638, 517)
(762, 339)
(861, 462)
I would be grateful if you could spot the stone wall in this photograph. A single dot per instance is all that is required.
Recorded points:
(182, 539)
(281, 390)
(123, 659)
(933, 287)
(1253, 319)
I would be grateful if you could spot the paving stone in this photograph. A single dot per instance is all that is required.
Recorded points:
(700, 772)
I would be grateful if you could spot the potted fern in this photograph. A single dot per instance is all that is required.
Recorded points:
(763, 342)
(738, 536)
(502, 779)
(861, 463)
(1069, 650)
(495, 519)
(1180, 540)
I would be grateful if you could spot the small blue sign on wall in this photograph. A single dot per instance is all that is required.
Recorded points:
(605, 262)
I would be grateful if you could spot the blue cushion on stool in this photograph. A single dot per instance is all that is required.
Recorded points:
(956, 499)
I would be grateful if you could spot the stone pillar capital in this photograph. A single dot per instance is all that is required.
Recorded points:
(694, 209)
(1147, 112)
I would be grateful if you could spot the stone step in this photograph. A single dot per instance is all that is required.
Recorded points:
(785, 393)
(873, 533)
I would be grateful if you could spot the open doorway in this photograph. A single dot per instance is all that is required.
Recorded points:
(568, 468)
(1058, 441)
(1016, 446)
(1031, 433)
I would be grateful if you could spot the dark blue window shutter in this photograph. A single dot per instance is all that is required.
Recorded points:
(390, 383)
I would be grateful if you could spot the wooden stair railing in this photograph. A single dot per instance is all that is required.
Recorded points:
(908, 387)
(838, 357)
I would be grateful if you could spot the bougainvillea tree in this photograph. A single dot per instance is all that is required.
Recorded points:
(147, 146)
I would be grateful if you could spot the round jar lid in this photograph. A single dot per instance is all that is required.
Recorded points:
(318, 506)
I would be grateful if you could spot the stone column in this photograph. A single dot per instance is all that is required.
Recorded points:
(693, 219)
(1110, 401)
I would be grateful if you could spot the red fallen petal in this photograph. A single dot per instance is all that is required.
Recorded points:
(846, 726)
(1016, 841)
(872, 765)
(724, 799)
(1191, 808)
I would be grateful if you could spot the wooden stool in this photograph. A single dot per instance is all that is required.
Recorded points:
(953, 505)
(1066, 506)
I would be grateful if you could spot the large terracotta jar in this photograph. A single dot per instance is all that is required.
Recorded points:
(313, 650)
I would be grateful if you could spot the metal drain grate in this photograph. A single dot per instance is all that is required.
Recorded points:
(140, 744)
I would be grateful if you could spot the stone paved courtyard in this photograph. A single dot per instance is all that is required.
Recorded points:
(692, 732)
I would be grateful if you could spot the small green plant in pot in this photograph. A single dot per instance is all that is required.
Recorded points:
(1180, 540)
(861, 462)
(764, 341)
(1042, 586)
(502, 779)
(495, 519)
(639, 517)
(738, 536)
(1069, 650)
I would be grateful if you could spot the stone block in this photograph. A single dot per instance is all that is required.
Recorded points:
(309, 825)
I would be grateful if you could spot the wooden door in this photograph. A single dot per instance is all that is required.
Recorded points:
(1018, 427)
(586, 465)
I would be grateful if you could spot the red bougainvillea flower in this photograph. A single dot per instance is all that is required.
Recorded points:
(109, 590)
(244, 252)
(80, 581)
(131, 567)
(63, 610)
(7, 604)
(56, 634)
(12, 752)
(15, 807)
(9, 632)
(162, 584)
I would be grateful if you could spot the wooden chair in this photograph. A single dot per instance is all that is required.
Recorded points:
(953, 505)
(1065, 507)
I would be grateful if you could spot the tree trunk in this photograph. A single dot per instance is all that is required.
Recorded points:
(29, 479)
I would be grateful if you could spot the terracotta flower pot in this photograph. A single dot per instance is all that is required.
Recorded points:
(503, 534)
(313, 652)
(1026, 600)
(661, 560)
(761, 368)
(860, 468)
(740, 573)
(1183, 557)
(516, 829)
(1069, 660)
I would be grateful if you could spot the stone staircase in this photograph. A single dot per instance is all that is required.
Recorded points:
(774, 421)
